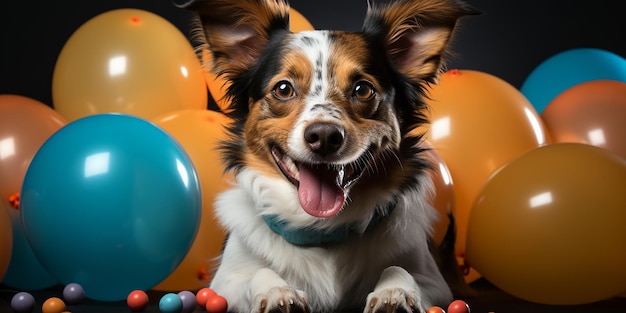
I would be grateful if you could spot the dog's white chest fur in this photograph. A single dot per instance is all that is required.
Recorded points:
(333, 276)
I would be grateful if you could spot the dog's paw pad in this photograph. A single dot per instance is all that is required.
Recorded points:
(393, 300)
(281, 300)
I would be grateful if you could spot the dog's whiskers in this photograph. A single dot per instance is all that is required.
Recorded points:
(394, 155)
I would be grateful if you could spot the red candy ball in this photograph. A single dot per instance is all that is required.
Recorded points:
(203, 295)
(137, 300)
(216, 304)
(458, 306)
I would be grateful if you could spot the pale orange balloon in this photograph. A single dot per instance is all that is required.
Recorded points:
(479, 122)
(548, 227)
(593, 112)
(127, 61)
(6, 239)
(25, 124)
(218, 85)
(198, 132)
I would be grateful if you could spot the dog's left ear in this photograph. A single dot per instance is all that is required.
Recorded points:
(415, 34)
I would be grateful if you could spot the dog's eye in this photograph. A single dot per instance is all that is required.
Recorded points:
(283, 90)
(363, 91)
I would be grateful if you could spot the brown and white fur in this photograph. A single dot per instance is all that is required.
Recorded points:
(322, 140)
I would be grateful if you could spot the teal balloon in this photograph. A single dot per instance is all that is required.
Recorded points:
(569, 68)
(24, 272)
(110, 202)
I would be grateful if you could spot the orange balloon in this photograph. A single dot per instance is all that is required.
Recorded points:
(478, 123)
(25, 124)
(549, 227)
(218, 85)
(127, 61)
(593, 112)
(443, 199)
(297, 22)
(6, 239)
(198, 132)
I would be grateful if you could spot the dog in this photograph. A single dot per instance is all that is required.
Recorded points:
(330, 206)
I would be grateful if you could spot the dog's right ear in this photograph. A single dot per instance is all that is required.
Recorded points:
(236, 31)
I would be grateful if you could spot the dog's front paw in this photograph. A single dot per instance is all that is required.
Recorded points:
(393, 300)
(281, 300)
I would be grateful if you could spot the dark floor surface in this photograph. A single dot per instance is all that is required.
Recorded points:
(489, 299)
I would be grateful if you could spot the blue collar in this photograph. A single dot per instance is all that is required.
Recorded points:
(309, 236)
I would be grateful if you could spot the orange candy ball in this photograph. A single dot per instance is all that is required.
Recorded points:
(53, 305)
(435, 309)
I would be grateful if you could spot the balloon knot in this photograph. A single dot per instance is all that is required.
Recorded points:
(14, 200)
(203, 274)
(465, 267)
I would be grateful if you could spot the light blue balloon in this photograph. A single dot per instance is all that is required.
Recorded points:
(569, 68)
(110, 202)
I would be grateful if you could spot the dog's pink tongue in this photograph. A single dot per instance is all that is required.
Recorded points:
(319, 194)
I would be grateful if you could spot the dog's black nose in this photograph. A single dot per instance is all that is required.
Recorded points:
(324, 138)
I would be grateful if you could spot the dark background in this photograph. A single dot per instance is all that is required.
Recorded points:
(509, 40)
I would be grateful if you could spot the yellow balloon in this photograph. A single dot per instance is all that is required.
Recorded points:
(549, 227)
(479, 122)
(128, 61)
(6, 239)
(218, 85)
(198, 132)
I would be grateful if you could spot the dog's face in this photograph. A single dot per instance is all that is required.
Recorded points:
(327, 110)
(324, 116)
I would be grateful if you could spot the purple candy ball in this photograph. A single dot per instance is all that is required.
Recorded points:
(189, 301)
(73, 293)
(23, 302)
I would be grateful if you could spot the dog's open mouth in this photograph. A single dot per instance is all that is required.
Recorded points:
(322, 188)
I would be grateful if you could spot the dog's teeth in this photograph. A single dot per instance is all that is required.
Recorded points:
(291, 166)
(341, 175)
